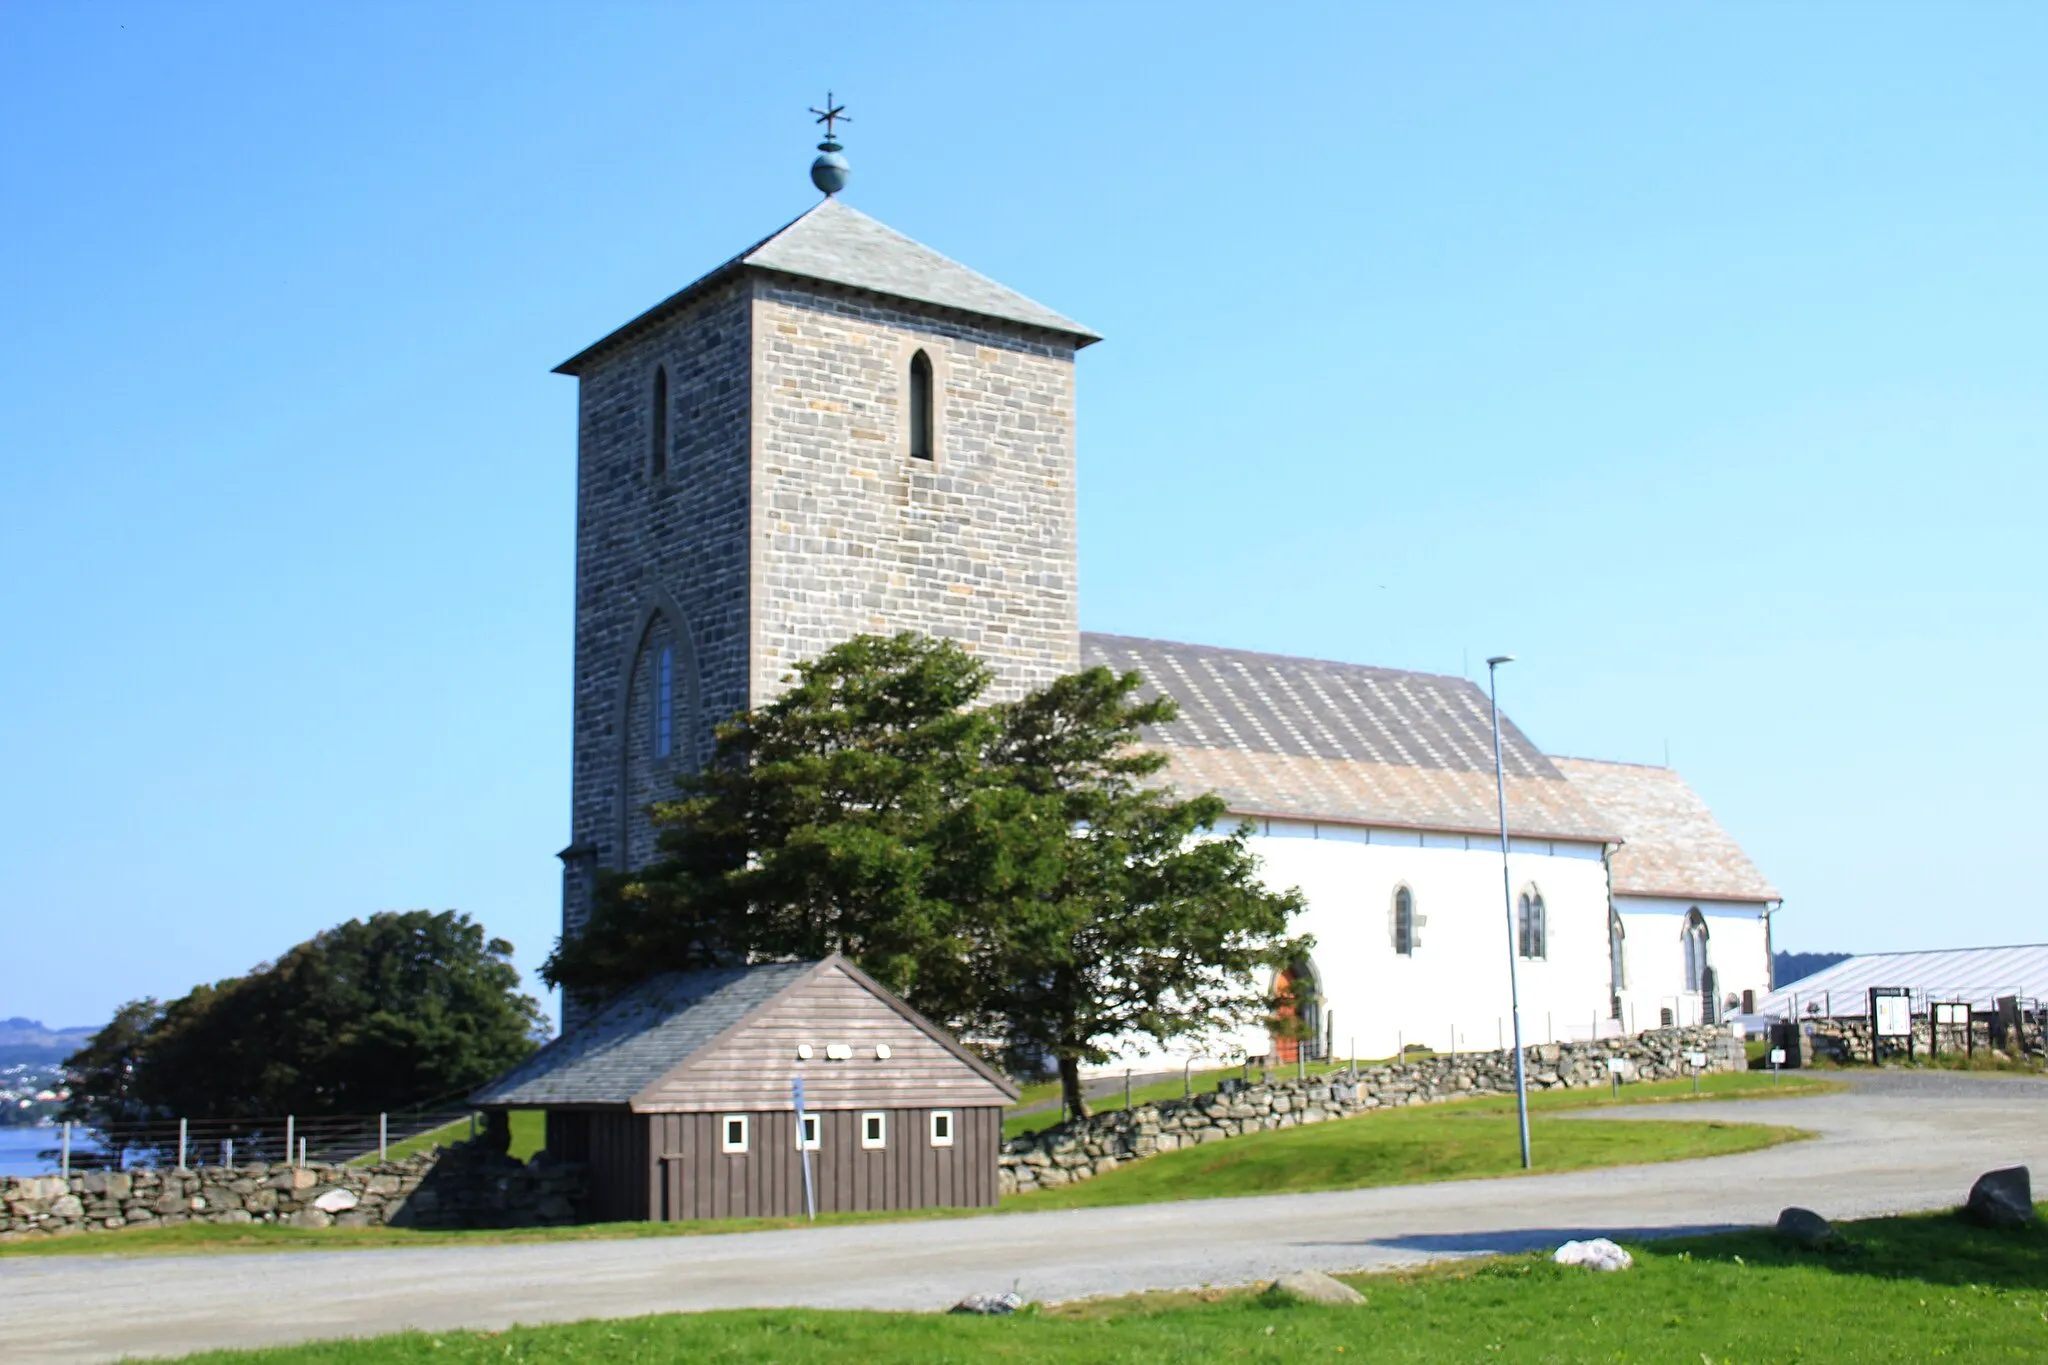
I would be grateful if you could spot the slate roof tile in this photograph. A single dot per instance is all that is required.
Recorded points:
(1673, 844)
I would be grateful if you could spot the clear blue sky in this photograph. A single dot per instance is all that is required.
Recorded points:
(1692, 353)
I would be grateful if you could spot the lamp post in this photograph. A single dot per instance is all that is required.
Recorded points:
(1507, 889)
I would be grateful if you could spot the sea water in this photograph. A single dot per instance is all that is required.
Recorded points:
(21, 1148)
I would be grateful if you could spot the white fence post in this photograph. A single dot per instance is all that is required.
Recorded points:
(290, 1127)
(184, 1131)
(302, 1151)
(383, 1137)
(66, 1167)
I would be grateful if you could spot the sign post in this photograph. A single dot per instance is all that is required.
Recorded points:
(803, 1147)
(1777, 1060)
(1891, 1016)
(1698, 1062)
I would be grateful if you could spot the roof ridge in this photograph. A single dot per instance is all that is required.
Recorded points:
(1614, 762)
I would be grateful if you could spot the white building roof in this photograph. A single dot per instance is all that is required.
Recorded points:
(1978, 975)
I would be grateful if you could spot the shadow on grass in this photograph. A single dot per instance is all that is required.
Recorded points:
(1517, 1240)
(1933, 1248)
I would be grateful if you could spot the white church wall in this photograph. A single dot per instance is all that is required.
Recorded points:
(1738, 949)
(1456, 981)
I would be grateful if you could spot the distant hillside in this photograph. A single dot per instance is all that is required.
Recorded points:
(1791, 967)
(28, 1041)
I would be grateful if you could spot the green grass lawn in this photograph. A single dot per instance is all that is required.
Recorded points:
(1900, 1289)
(1461, 1141)
(529, 1135)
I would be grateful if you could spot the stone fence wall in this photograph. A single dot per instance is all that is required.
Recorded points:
(467, 1185)
(1847, 1039)
(1092, 1146)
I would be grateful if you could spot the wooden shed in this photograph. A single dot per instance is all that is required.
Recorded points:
(677, 1096)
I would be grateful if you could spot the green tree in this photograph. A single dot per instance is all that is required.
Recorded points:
(1015, 871)
(103, 1076)
(390, 1012)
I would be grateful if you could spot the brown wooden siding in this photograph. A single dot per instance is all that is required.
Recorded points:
(751, 1070)
(612, 1145)
(699, 1180)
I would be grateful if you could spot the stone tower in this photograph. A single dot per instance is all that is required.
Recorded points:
(837, 431)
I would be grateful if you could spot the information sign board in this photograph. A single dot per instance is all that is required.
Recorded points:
(1894, 1013)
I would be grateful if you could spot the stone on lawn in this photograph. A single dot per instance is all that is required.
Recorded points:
(1313, 1286)
(990, 1305)
(1804, 1227)
(1595, 1253)
(2002, 1199)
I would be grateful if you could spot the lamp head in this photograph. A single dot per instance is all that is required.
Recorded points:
(1500, 659)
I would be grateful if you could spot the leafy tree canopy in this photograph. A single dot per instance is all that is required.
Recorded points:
(1009, 869)
(391, 1012)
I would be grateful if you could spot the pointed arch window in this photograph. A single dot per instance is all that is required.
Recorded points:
(1404, 921)
(657, 455)
(921, 406)
(665, 702)
(1696, 970)
(1529, 936)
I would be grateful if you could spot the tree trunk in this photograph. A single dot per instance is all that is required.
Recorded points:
(1070, 1088)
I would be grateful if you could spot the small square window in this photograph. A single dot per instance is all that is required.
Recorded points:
(874, 1131)
(733, 1134)
(942, 1128)
(809, 1142)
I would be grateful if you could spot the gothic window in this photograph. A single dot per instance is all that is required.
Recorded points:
(665, 702)
(1529, 937)
(1617, 951)
(1404, 922)
(921, 406)
(1696, 972)
(657, 456)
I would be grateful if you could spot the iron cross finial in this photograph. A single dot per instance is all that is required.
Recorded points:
(831, 114)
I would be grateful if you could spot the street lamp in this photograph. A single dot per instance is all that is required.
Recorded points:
(1507, 890)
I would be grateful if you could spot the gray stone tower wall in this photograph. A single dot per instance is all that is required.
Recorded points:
(793, 516)
(659, 560)
(854, 535)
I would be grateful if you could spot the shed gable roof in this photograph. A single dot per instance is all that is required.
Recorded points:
(838, 244)
(658, 1027)
(1310, 738)
(1673, 846)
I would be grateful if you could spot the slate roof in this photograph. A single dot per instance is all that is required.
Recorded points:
(1673, 844)
(839, 244)
(641, 1035)
(1978, 975)
(1311, 739)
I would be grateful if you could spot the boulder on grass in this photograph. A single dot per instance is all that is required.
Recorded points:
(1804, 1227)
(1595, 1253)
(990, 1305)
(1313, 1286)
(2002, 1199)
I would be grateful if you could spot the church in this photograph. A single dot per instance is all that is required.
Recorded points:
(840, 431)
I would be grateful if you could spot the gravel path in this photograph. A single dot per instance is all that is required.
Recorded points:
(1889, 1145)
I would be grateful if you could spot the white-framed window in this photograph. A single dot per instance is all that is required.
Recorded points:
(942, 1128)
(732, 1133)
(874, 1131)
(809, 1141)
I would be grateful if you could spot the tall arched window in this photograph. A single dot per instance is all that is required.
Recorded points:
(1529, 938)
(665, 702)
(1617, 960)
(1695, 936)
(921, 406)
(657, 455)
(1404, 922)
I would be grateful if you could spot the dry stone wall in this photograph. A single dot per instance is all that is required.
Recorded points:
(457, 1187)
(1094, 1146)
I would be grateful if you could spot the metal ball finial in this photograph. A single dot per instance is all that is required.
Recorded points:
(830, 171)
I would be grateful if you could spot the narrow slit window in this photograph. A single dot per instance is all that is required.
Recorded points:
(921, 406)
(874, 1131)
(809, 1141)
(942, 1128)
(665, 702)
(733, 1137)
(657, 454)
(1404, 922)
(1531, 943)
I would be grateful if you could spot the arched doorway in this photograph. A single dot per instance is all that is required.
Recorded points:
(1297, 1035)
(1699, 972)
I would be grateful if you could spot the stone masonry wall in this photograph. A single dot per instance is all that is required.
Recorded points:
(853, 535)
(1093, 1146)
(458, 1187)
